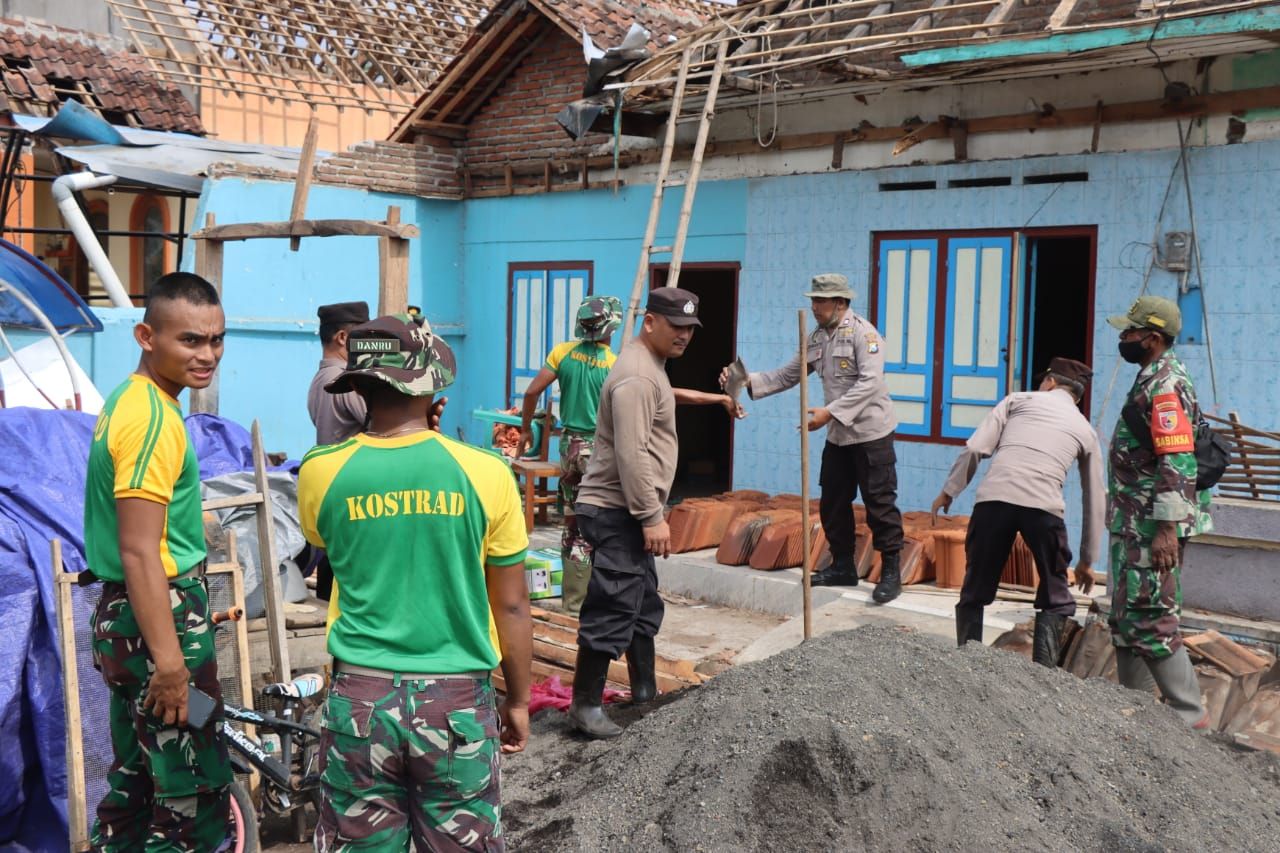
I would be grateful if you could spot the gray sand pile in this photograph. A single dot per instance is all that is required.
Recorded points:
(883, 739)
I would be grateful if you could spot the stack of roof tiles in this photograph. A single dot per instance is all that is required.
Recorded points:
(41, 71)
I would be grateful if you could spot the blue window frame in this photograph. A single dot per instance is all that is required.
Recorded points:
(943, 308)
(544, 298)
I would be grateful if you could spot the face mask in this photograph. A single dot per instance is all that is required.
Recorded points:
(1133, 351)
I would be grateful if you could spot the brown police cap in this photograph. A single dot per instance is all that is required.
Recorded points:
(1069, 368)
(343, 312)
(679, 306)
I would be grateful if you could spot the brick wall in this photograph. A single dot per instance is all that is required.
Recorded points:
(426, 167)
(519, 120)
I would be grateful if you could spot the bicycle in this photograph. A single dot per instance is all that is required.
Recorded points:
(291, 780)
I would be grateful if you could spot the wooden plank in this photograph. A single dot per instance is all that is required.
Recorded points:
(307, 228)
(231, 500)
(245, 669)
(269, 565)
(546, 650)
(393, 270)
(1244, 457)
(1062, 14)
(302, 182)
(77, 797)
(209, 267)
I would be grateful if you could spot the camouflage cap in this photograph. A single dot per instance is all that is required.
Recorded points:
(1150, 312)
(399, 350)
(598, 318)
(830, 285)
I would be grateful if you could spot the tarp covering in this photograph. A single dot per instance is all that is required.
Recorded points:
(42, 480)
(57, 299)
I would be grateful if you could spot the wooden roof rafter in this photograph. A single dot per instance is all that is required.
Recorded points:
(371, 54)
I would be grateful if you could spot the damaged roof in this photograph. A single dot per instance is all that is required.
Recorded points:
(514, 28)
(806, 44)
(47, 66)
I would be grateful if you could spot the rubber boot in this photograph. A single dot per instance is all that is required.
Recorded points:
(574, 582)
(1047, 644)
(890, 586)
(1176, 678)
(586, 711)
(640, 669)
(1132, 671)
(841, 572)
(968, 625)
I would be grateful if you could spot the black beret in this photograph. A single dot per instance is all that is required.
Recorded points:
(343, 312)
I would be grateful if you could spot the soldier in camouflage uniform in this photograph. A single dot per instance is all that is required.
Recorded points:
(427, 542)
(580, 366)
(144, 539)
(1153, 507)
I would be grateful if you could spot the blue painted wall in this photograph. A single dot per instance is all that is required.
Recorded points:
(782, 230)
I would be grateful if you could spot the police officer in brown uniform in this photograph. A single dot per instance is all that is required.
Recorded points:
(845, 350)
(337, 417)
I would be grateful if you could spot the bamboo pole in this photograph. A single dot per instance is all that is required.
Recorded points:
(806, 572)
(655, 206)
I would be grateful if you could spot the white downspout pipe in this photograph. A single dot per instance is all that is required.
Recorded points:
(64, 190)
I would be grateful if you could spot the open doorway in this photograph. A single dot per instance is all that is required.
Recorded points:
(1058, 300)
(705, 466)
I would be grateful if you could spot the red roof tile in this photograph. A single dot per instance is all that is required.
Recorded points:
(118, 81)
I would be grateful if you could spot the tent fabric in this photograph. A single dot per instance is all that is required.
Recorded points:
(225, 447)
(57, 299)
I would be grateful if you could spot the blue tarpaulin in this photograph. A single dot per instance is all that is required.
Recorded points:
(41, 498)
(57, 299)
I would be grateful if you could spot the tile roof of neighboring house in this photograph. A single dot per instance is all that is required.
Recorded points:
(41, 71)
(514, 27)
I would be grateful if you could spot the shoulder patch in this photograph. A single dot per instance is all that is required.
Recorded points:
(1170, 428)
(873, 342)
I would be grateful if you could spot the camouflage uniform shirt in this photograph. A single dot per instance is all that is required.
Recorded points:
(1144, 487)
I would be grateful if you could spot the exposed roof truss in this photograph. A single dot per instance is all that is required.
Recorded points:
(371, 54)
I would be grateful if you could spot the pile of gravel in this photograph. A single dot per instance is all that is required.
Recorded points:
(884, 739)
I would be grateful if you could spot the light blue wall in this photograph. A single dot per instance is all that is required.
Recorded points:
(800, 225)
(596, 226)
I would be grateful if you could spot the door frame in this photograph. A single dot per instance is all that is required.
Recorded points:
(725, 266)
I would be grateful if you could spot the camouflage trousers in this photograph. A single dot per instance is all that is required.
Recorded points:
(575, 551)
(414, 759)
(1146, 602)
(168, 784)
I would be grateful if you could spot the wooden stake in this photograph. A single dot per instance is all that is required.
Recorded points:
(806, 571)
(1244, 456)
(302, 183)
(269, 565)
(77, 797)
(393, 270)
(208, 267)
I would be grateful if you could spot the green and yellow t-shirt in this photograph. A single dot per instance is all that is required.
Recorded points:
(409, 523)
(580, 368)
(141, 449)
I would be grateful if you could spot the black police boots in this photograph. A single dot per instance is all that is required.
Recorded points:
(586, 711)
(640, 668)
(968, 625)
(841, 572)
(890, 586)
(1048, 639)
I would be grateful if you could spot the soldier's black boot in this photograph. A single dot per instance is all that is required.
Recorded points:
(841, 572)
(890, 586)
(968, 625)
(586, 711)
(640, 669)
(1048, 639)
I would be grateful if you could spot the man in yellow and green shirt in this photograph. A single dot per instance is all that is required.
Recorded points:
(427, 543)
(144, 539)
(580, 366)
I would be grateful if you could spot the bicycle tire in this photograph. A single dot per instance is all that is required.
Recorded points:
(244, 821)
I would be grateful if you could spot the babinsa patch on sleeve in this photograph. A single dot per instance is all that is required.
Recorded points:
(1170, 428)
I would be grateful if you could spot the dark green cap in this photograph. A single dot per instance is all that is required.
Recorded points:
(1150, 312)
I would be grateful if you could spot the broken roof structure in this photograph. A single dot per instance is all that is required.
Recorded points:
(356, 53)
(47, 66)
(794, 47)
(514, 28)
